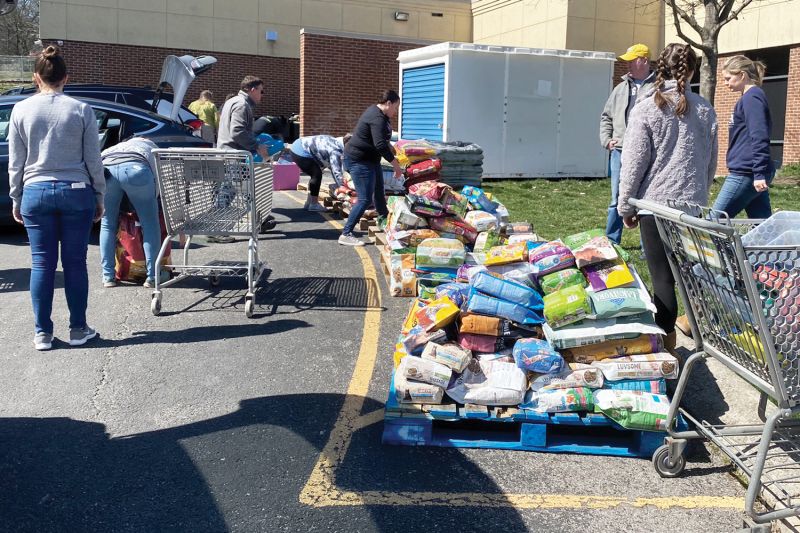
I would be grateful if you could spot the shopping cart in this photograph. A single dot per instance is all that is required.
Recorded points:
(742, 302)
(206, 191)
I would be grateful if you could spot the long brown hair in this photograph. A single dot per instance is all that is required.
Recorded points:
(677, 62)
(50, 66)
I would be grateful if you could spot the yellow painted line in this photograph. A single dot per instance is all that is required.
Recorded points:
(321, 491)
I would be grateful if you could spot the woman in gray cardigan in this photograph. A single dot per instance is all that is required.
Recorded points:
(670, 154)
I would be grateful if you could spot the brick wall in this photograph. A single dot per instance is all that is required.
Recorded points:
(724, 102)
(791, 135)
(341, 76)
(141, 65)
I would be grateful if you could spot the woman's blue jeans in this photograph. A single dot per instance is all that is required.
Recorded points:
(368, 181)
(738, 194)
(137, 181)
(58, 213)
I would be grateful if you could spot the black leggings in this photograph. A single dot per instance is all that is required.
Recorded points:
(660, 274)
(310, 167)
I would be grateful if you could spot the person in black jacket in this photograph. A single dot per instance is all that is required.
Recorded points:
(370, 142)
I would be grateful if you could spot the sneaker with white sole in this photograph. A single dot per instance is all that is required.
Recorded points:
(43, 341)
(79, 336)
(109, 282)
(350, 240)
(315, 207)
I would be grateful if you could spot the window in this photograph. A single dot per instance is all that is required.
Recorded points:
(5, 120)
(115, 126)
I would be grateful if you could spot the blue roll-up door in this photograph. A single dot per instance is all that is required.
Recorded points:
(423, 103)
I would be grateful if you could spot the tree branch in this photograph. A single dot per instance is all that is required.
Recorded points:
(679, 29)
(690, 20)
(726, 16)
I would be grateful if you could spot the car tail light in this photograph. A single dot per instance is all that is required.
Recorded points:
(195, 123)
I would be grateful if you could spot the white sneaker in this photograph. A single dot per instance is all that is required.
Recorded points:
(315, 207)
(43, 341)
(350, 240)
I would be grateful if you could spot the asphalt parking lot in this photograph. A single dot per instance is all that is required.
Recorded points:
(204, 420)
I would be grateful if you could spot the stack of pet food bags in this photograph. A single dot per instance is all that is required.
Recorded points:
(430, 230)
(455, 163)
(562, 326)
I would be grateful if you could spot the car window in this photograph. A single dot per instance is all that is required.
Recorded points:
(5, 120)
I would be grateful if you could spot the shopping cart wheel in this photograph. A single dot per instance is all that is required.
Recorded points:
(213, 280)
(249, 306)
(663, 466)
(268, 224)
(155, 304)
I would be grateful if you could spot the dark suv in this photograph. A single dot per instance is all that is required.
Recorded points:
(115, 122)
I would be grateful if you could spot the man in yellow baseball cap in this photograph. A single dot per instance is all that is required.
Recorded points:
(637, 50)
(614, 119)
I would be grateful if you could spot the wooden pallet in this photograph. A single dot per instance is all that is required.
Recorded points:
(508, 428)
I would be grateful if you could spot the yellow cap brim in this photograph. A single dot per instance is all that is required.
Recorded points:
(630, 56)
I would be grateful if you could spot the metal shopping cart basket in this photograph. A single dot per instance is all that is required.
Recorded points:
(205, 191)
(742, 299)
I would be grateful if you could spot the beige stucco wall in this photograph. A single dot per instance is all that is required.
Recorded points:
(605, 25)
(240, 26)
(765, 23)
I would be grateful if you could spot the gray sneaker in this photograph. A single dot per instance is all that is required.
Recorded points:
(79, 336)
(43, 341)
(350, 240)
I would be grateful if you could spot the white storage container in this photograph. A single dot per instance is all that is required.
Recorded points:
(535, 112)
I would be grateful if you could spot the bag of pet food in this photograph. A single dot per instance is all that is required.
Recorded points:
(504, 255)
(536, 355)
(519, 227)
(550, 257)
(454, 203)
(486, 240)
(416, 236)
(511, 332)
(437, 314)
(593, 331)
(514, 238)
(633, 409)
(643, 344)
(416, 339)
(482, 304)
(420, 205)
(590, 247)
(407, 391)
(449, 354)
(559, 400)
(480, 324)
(555, 281)
(456, 227)
(646, 366)
(583, 377)
(612, 303)
(481, 220)
(457, 292)
(424, 370)
(608, 275)
(448, 253)
(480, 343)
(402, 279)
(566, 306)
(478, 199)
(494, 285)
(429, 189)
(653, 386)
(401, 217)
(489, 383)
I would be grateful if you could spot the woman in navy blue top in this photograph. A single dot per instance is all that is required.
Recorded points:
(750, 166)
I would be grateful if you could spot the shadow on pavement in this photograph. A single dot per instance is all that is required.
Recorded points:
(243, 470)
(18, 280)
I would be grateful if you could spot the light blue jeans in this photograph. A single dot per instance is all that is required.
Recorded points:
(614, 221)
(138, 182)
(738, 194)
(58, 213)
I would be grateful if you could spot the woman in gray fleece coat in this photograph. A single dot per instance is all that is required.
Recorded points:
(670, 154)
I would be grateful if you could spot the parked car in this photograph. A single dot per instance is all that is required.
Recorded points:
(115, 122)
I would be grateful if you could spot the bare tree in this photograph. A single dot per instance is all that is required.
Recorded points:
(19, 29)
(715, 14)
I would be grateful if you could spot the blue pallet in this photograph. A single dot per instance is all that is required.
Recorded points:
(582, 433)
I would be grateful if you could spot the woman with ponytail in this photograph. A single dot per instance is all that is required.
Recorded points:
(670, 154)
(57, 186)
(749, 162)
